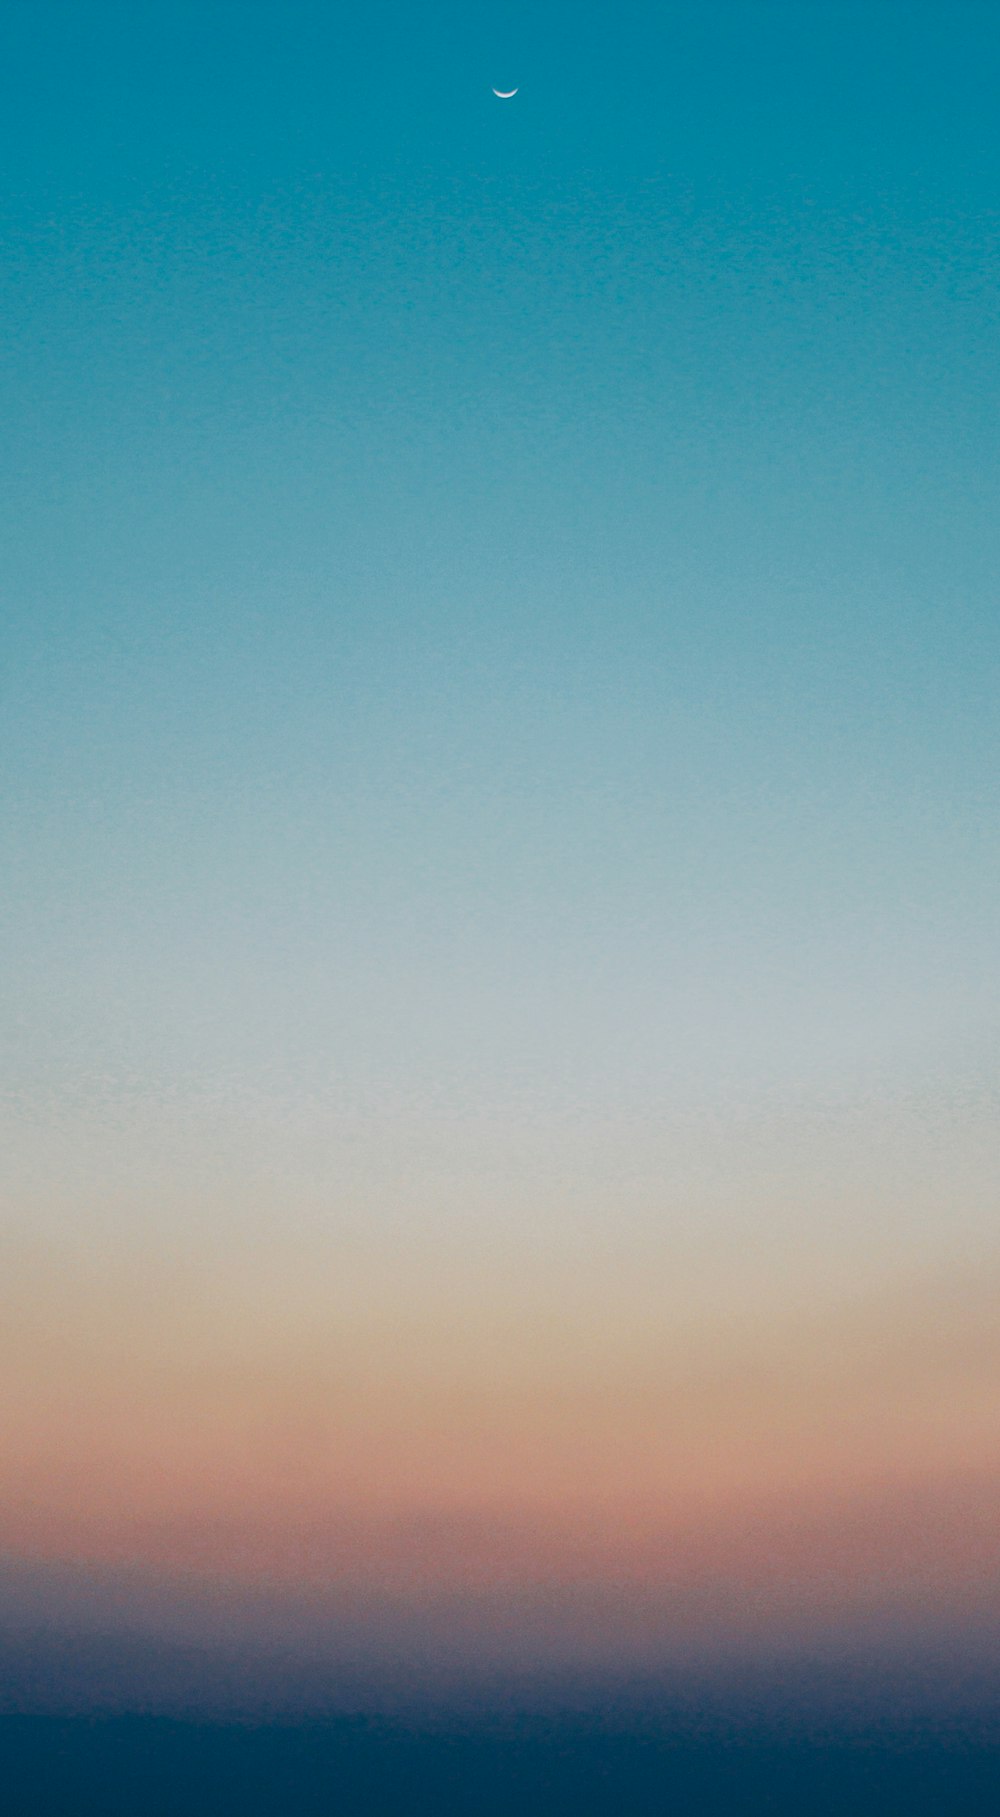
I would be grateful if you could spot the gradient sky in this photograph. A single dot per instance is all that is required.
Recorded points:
(499, 726)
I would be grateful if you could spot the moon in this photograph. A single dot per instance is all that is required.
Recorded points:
(505, 94)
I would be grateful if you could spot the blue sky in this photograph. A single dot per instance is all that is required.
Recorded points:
(576, 508)
(554, 539)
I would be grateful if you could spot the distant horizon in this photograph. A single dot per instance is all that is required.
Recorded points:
(936, 1696)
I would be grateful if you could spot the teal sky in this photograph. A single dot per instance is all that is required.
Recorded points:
(500, 607)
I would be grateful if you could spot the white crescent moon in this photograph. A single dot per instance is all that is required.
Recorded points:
(505, 94)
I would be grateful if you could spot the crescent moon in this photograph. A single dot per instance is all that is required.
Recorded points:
(505, 94)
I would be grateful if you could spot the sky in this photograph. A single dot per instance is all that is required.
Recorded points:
(498, 723)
